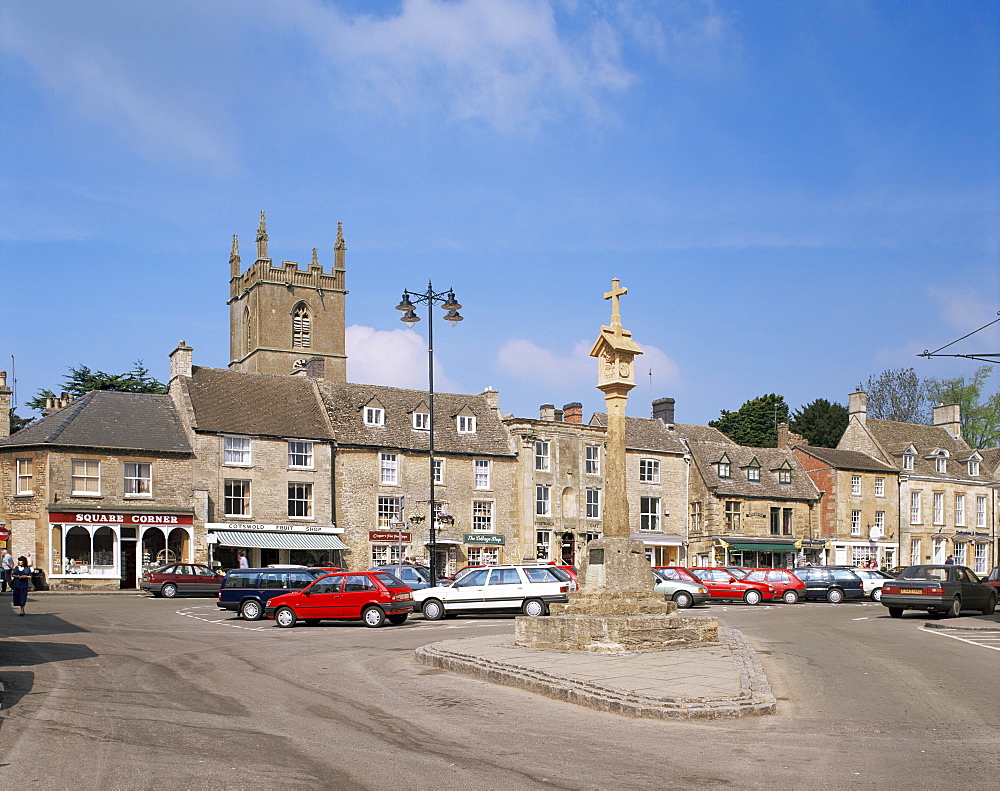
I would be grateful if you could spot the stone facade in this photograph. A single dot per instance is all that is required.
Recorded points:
(947, 494)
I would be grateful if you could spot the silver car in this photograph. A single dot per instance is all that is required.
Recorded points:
(685, 594)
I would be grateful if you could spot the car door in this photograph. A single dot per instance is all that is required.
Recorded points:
(186, 579)
(321, 599)
(505, 590)
(973, 592)
(468, 592)
(717, 582)
(359, 590)
(204, 580)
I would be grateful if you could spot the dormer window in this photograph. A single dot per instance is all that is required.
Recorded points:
(907, 461)
(753, 471)
(374, 416)
(466, 424)
(724, 466)
(422, 421)
(973, 467)
(784, 473)
(940, 464)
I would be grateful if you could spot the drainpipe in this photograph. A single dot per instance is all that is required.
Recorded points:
(687, 507)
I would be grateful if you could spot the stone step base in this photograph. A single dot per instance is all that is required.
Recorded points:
(613, 634)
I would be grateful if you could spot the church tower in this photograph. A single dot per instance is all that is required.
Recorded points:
(281, 316)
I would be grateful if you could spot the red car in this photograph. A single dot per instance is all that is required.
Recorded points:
(722, 584)
(180, 578)
(370, 596)
(786, 585)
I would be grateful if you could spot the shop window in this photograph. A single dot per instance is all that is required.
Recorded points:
(386, 554)
(543, 542)
(484, 556)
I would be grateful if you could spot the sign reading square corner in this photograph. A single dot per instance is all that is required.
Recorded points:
(483, 538)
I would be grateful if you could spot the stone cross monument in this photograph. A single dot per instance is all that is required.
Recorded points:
(615, 608)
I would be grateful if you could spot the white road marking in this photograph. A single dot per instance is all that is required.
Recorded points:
(966, 640)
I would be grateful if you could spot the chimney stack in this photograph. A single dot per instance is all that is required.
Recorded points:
(4, 406)
(180, 360)
(857, 406)
(949, 417)
(573, 412)
(316, 368)
(492, 398)
(663, 409)
(546, 412)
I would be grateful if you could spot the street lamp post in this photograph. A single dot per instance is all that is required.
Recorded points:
(407, 304)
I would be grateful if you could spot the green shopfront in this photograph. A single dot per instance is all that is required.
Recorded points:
(483, 549)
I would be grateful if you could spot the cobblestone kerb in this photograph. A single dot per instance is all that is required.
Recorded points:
(754, 697)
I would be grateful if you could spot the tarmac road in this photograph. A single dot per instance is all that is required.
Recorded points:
(127, 692)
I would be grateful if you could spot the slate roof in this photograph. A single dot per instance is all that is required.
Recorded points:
(894, 437)
(705, 453)
(645, 433)
(846, 459)
(345, 403)
(694, 433)
(991, 461)
(255, 404)
(106, 419)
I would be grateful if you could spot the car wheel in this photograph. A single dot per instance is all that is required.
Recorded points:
(373, 616)
(285, 617)
(956, 608)
(877, 594)
(251, 610)
(895, 612)
(433, 610)
(685, 600)
(789, 597)
(991, 606)
(168, 591)
(835, 595)
(533, 608)
(752, 597)
(397, 618)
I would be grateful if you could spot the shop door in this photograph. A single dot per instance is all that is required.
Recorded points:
(268, 556)
(128, 564)
(568, 549)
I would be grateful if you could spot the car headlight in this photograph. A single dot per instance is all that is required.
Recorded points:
(702, 590)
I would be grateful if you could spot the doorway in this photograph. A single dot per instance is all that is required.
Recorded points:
(128, 564)
(568, 549)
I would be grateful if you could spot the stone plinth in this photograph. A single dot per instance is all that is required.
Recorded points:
(615, 609)
(608, 634)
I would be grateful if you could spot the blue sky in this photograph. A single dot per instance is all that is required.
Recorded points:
(797, 195)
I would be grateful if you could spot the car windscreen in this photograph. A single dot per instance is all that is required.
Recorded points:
(924, 574)
(472, 579)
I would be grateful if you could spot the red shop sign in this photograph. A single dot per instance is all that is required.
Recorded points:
(101, 518)
(388, 535)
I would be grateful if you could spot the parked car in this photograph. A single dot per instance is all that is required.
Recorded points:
(722, 584)
(373, 597)
(787, 586)
(180, 578)
(872, 582)
(247, 591)
(685, 593)
(945, 590)
(830, 583)
(528, 589)
(993, 578)
(416, 577)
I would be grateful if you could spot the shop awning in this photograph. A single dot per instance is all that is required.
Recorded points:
(261, 540)
(743, 547)
(658, 541)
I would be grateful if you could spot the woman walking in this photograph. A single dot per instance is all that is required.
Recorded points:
(20, 579)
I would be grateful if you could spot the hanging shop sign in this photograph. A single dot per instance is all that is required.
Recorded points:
(388, 535)
(483, 538)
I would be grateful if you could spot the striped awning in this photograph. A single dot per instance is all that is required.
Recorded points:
(262, 540)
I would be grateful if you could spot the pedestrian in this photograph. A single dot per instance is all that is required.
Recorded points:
(950, 561)
(20, 580)
(244, 563)
(6, 566)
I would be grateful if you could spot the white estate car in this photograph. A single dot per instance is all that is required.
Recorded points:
(872, 581)
(510, 588)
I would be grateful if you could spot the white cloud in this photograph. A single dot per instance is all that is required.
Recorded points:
(397, 358)
(522, 359)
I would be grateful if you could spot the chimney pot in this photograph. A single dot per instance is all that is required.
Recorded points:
(573, 412)
(663, 409)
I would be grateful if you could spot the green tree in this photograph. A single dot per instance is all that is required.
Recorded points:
(754, 424)
(82, 380)
(897, 394)
(17, 422)
(821, 422)
(980, 416)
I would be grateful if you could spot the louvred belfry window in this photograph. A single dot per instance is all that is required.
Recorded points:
(300, 328)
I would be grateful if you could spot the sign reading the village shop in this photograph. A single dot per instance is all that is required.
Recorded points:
(387, 535)
(274, 528)
(483, 538)
(89, 517)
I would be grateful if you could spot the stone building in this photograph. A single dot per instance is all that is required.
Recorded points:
(858, 516)
(101, 488)
(748, 506)
(382, 476)
(947, 503)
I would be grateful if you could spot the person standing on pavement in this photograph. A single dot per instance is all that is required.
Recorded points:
(20, 580)
(950, 561)
(6, 566)
(244, 563)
